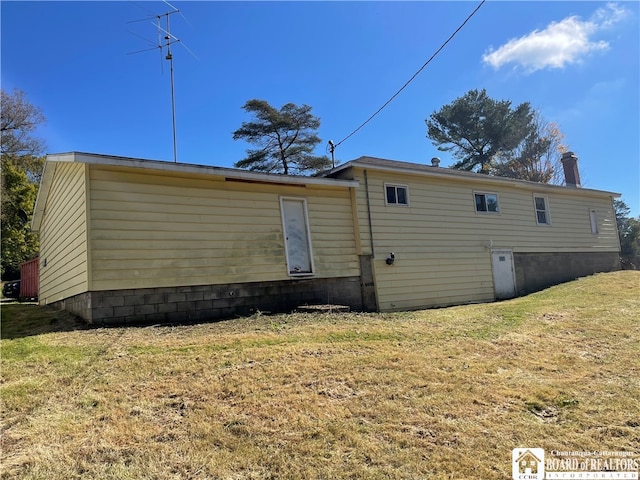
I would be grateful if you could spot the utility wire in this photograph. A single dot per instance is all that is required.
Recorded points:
(414, 75)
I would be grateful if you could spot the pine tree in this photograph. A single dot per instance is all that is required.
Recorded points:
(285, 139)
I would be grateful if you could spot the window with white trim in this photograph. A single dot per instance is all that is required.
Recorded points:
(541, 205)
(396, 194)
(593, 218)
(486, 202)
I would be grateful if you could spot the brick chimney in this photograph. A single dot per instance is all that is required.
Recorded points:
(571, 173)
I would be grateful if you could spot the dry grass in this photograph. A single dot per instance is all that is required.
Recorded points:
(444, 393)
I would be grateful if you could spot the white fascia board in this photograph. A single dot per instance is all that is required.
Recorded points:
(43, 193)
(244, 175)
(339, 168)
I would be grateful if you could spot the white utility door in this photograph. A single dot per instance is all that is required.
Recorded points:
(504, 278)
(297, 237)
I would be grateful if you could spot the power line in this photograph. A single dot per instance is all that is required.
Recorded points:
(412, 78)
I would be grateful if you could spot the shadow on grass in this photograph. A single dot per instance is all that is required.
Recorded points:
(18, 320)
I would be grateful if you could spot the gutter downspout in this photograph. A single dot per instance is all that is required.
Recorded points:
(366, 187)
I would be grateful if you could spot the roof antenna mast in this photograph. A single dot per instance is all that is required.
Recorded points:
(165, 40)
(169, 57)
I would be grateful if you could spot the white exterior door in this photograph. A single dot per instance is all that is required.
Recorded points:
(504, 278)
(297, 236)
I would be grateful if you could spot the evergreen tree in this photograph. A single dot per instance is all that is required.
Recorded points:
(478, 130)
(492, 137)
(285, 139)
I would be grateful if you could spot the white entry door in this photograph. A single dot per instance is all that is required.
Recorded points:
(504, 278)
(297, 236)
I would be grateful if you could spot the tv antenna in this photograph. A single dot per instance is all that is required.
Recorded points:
(165, 40)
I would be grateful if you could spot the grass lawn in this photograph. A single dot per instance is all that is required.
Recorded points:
(443, 394)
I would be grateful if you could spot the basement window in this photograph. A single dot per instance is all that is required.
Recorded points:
(396, 194)
(486, 202)
(542, 210)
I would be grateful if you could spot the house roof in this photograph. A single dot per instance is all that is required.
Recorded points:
(395, 166)
(111, 160)
(231, 174)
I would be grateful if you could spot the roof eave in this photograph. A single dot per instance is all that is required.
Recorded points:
(444, 173)
(245, 175)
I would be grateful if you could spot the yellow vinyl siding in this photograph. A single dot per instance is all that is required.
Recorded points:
(63, 237)
(443, 212)
(443, 246)
(156, 229)
(332, 233)
(416, 280)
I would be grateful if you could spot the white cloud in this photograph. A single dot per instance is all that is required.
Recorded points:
(607, 17)
(560, 43)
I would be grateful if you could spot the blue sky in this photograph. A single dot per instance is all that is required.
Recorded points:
(575, 62)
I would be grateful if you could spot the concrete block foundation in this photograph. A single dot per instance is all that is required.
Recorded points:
(537, 271)
(210, 302)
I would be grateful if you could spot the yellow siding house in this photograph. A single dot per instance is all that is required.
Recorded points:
(126, 240)
(138, 241)
(435, 236)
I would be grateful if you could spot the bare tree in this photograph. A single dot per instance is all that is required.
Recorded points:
(21, 171)
(537, 157)
(18, 121)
